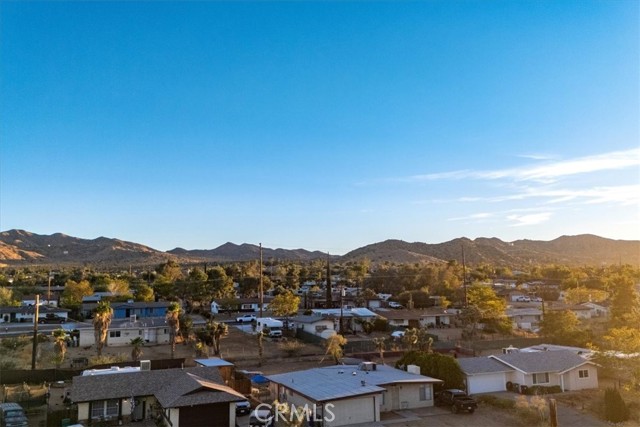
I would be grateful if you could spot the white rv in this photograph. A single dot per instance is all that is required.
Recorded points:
(269, 326)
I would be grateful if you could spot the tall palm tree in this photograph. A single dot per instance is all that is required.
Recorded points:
(60, 344)
(101, 320)
(173, 320)
(136, 351)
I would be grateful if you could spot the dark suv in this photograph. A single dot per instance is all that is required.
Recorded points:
(51, 318)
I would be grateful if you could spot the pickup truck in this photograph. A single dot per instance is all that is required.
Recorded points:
(457, 400)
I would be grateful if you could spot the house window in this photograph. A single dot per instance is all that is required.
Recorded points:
(320, 328)
(583, 373)
(114, 334)
(104, 408)
(541, 378)
(425, 392)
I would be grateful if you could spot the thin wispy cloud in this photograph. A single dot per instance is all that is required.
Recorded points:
(546, 173)
(531, 219)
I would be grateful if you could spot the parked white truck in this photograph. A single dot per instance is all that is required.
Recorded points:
(269, 326)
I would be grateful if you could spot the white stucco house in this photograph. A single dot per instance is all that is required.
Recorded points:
(353, 394)
(563, 368)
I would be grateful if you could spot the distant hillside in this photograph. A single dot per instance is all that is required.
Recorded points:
(247, 252)
(19, 247)
(572, 250)
(23, 247)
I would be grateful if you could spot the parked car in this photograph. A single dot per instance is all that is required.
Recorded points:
(397, 334)
(243, 408)
(51, 318)
(523, 299)
(457, 400)
(261, 418)
(246, 318)
(393, 304)
(12, 415)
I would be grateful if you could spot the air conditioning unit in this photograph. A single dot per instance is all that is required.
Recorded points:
(145, 365)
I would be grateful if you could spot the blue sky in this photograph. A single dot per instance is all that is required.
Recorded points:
(322, 125)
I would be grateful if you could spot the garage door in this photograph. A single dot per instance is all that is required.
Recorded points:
(487, 383)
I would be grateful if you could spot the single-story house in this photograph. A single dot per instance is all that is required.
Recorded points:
(27, 313)
(581, 311)
(30, 300)
(433, 317)
(122, 331)
(316, 325)
(350, 316)
(562, 368)
(525, 318)
(597, 309)
(141, 310)
(240, 304)
(178, 397)
(352, 394)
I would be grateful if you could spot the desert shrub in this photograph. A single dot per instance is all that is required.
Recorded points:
(542, 390)
(380, 324)
(105, 359)
(496, 402)
(615, 409)
(291, 348)
(15, 343)
(532, 410)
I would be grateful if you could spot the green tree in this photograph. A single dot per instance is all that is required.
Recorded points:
(102, 316)
(581, 294)
(219, 284)
(615, 409)
(74, 291)
(435, 365)
(173, 321)
(492, 309)
(285, 305)
(144, 293)
(136, 350)
(7, 299)
(625, 304)
(562, 327)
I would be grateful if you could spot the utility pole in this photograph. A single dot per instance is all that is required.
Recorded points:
(34, 349)
(49, 289)
(341, 305)
(329, 296)
(464, 277)
(261, 289)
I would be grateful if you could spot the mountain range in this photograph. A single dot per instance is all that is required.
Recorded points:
(21, 248)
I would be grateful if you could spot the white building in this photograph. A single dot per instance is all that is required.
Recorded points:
(353, 394)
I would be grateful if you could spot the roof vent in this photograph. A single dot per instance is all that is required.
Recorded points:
(363, 383)
(353, 373)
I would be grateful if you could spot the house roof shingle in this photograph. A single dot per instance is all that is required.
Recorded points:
(482, 365)
(542, 361)
(172, 387)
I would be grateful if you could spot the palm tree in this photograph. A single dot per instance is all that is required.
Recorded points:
(173, 320)
(60, 344)
(101, 321)
(136, 351)
(379, 343)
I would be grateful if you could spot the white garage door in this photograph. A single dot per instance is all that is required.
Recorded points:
(487, 383)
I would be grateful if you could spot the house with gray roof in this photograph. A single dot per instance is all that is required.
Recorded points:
(563, 368)
(176, 397)
(351, 394)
